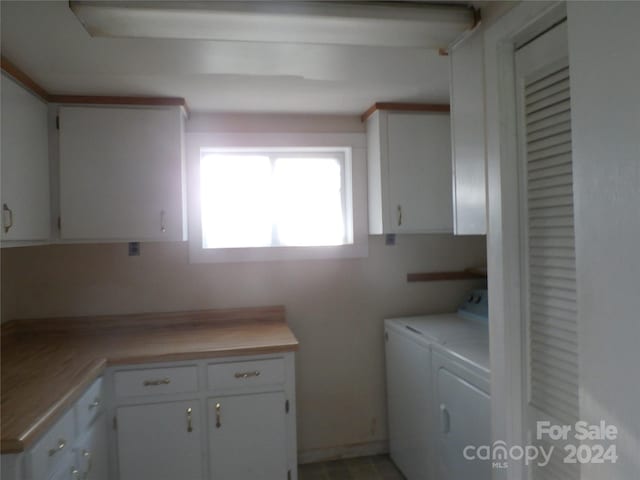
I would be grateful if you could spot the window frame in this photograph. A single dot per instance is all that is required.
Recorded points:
(352, 146)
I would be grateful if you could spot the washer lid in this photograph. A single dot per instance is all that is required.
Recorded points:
(444, 328)
(474, 353)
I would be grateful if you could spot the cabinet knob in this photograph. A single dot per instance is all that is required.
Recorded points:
(160, 381)
(87, 455)
(94, 404)
(7, 218)
(75, 473)
(445, 419)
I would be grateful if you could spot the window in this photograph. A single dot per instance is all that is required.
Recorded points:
(273, 199)
(275, 203)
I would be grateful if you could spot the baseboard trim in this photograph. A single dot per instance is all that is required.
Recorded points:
(343, 451)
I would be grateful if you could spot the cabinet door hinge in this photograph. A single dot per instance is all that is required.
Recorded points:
(286, 406)
(288, 474)
(115, 423)
(57, 122)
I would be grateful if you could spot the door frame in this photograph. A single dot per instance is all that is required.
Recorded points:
(504, 263)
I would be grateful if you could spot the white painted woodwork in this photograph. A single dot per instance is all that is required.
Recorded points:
(156, 381)
(154, 441)
(247, 436)
(409, 168)
(467, 135)
(548, 240)
(517, 26)
(122, 174)
(25, 165)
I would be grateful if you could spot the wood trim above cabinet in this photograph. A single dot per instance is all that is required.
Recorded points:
(120, 100)
(405, 107)
(26, 81)
(22, 78)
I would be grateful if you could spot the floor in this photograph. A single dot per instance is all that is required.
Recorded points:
(378, 467)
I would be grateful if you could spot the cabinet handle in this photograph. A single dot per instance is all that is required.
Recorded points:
(255, 373)
(445, 419)
(7, 213)
(94, 404)
(189, 426)
(159, 381)
(75, 473)
(218, 415)
(399, 215)
(163, 225)
(61, 443)
(87, 454)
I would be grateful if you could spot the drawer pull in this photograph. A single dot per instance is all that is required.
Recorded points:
(218, 415)
(94, 404)
(255, 373)
(160, 381)
(61, 443)
(87, 454)
(189, 426)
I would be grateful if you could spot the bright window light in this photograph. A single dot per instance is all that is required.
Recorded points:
(273, 199)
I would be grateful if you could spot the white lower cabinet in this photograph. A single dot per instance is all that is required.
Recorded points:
(247, 437)
(160, 441)
(227, 418)
(230, 418)
(74, 448)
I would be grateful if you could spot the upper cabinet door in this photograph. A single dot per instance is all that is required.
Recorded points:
(467, 132)
(409, 157)
(121, 174)
(25, 165)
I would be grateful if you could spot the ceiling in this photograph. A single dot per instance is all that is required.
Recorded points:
(47, 41)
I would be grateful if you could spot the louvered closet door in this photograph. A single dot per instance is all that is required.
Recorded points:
(548, 242)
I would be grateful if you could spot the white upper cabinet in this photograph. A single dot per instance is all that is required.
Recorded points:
(409, 166)
(25, 165)
(122, 174)
(468, 139)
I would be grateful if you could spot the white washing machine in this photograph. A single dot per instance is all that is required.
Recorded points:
(461, 409)
(410, 394)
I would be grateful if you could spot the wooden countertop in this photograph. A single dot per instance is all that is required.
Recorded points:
(48, 363)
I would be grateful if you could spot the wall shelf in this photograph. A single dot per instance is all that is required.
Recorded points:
(466, 274)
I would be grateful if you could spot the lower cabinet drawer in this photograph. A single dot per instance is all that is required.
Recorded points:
(154, 381)
(250, 373)
(53, 449)
(89, 406)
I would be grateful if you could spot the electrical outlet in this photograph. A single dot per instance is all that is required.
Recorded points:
(390, 239)
(134, 249)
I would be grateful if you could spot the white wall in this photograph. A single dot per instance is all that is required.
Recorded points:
(335, 307)
(604, 42)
